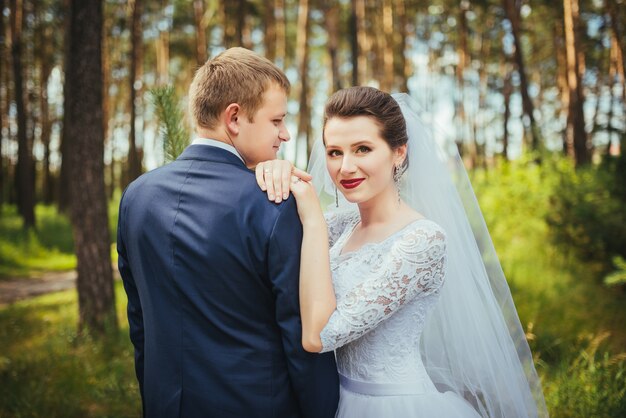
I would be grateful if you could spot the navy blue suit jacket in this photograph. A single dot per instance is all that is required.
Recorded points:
(211, 269)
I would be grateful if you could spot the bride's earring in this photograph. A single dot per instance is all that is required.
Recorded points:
(336, 198)
(397, 173)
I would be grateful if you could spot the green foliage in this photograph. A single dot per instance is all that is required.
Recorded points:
(587, 213)
(619, 275)
(589, 384)
(554, 290)
(175, 135)
(48, 370)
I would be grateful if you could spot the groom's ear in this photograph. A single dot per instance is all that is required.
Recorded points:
(230, 117)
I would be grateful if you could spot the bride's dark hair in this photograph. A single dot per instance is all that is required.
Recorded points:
(369, 101)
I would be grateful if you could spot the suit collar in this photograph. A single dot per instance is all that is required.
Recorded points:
(204, 152)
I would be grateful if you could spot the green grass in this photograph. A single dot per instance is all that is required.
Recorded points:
(47, 370)
(48, 247)
(28, 252)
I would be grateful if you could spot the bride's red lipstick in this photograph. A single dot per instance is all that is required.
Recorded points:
(352, 183)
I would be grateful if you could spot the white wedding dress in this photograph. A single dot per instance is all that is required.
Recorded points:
(385, 292)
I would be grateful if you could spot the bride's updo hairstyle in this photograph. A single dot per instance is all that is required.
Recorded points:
(369, 101)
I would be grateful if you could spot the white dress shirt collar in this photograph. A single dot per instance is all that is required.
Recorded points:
(218, 144)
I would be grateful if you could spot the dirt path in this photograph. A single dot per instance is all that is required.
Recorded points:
(12, 290)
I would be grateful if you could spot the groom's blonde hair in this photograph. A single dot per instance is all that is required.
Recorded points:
(237, 75)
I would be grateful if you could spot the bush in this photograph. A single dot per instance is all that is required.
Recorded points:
(587, 212)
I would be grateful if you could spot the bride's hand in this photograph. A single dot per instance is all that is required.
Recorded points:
(308, 203)
(274, 177)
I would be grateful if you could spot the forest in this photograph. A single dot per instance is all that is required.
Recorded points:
(93, 93)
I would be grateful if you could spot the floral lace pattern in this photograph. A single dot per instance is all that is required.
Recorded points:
(384, 293)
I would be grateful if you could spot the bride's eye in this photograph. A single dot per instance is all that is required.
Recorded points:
(363, 149)
(333, 153)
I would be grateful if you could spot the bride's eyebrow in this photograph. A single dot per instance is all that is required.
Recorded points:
(362, 142)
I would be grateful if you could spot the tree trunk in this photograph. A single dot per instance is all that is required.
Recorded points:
(507, 91)
(614, 68)
(402, 67)
(617, 45)
(387, 82)
(63, 189)
(243, 28)
(561, 74)
(45, 58)
(360, 46)
(201, 44)
(136, 81)
(25, 182)
(83, 124)
(269, 21)
(163, 57)
(376, 38)
(575, 129)
(332, 27)
(302, 60)
(512, 10)
(107, 50)
(3, 60)
(464, 133)
(234, 15)
(281, 38)
(354, 43)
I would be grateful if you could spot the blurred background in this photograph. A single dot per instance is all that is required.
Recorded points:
(93, 93)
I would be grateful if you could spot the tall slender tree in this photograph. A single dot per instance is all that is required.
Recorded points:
(359, 43)
(163, 55)
(269, 22)
(387, 46)
(25, 182)
(136, 88)
(576, 136)
(302, 60)
(3, 60)
(507, 91)
(45, 62)
(402, 67)
(512, 10)
(85, 136)
(199, 10)
(281, 34)
(106, 100)
(617, 44)
(332, 9)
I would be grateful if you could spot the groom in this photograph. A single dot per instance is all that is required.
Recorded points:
(211, 266)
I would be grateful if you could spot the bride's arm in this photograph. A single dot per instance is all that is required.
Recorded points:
(413, 267)
(317, 296)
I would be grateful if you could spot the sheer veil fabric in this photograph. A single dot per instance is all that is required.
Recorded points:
(473, 343)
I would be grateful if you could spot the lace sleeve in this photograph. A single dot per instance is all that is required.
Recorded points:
(337, 222)
(413, 267)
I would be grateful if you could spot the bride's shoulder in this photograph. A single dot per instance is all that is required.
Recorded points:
(339, 219)
(425, 228)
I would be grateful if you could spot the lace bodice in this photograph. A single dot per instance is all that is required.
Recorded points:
(384, 292)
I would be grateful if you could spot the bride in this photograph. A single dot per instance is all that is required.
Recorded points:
(400, 278)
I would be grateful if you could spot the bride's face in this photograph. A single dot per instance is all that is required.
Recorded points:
(358, 159)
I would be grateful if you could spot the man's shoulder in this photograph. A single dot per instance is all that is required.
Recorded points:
(251, 194)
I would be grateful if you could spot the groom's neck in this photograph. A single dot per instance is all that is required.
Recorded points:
(213, 134)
